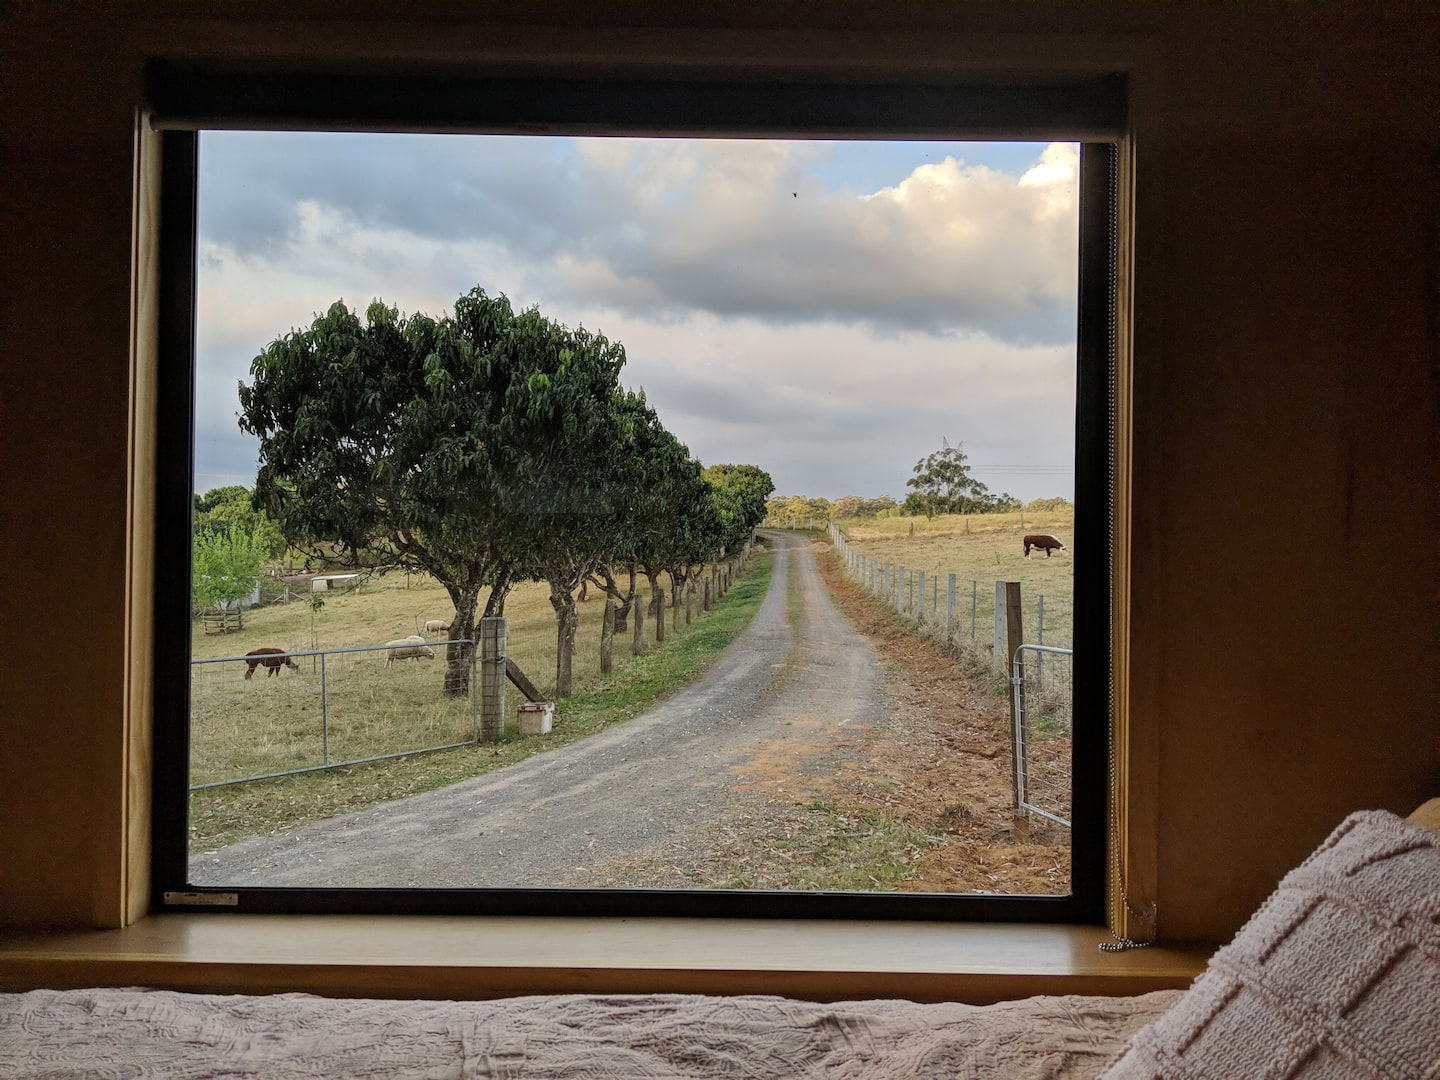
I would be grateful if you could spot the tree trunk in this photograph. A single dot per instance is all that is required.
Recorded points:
(657, 605)
(458, 654)
(637, 641)
(607, 637)
(567, 620)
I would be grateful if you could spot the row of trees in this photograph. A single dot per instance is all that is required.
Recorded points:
(941, 484)
(485, 448)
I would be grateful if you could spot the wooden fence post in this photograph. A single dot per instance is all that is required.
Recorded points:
(1014, 638)
(492, 678)
(949, 605)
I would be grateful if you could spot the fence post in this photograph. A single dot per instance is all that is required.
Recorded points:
(949, 605)
(324, 714)
(974, 605)
(493, 635)
(1014, 638)
(920, 596)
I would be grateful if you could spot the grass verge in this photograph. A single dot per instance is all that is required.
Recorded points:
(220, 816)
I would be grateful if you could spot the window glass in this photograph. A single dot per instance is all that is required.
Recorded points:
(861, 357)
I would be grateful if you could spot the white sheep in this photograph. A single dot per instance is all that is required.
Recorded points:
(436, 624)
(408, 648)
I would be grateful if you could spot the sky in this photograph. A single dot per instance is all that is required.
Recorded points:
(831, 312)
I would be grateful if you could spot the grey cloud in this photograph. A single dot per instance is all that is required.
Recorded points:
(834, 445)
(661, 227)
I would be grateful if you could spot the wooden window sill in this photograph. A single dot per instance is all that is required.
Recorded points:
(469, 958)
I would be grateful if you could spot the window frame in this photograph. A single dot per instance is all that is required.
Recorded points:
(188, 98)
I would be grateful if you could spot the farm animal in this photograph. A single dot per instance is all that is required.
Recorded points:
(408, 648)
(273, 659)
(436, 624)
(1045, 543)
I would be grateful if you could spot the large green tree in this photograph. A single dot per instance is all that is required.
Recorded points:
(438, 444)
(739, 493)
(227, 509)
(943, 485)
(226, 565)
(666, 491)
(575, 509)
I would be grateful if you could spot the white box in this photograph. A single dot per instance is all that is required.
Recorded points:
(536, 717)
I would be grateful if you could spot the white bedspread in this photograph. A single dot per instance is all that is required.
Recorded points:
(155, 1033)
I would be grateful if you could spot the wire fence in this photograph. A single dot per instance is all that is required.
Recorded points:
(258, 718)
(946, 605)
(1040, 675)
(1044, 721)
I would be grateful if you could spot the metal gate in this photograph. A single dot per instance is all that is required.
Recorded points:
(1042, 676)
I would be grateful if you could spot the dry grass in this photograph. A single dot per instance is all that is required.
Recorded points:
(272, 724)
(371, 708)
(980, 549)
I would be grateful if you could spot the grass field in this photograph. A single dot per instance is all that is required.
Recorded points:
(271, 724)
(980, 550)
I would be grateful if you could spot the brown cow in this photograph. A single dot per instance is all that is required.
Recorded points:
(273, 659)
(1045, 543)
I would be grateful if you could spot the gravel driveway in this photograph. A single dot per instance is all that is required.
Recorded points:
(792, 686)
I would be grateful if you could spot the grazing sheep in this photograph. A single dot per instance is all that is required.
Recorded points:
(436, 624)
(1045, 543)
(273, 659)
(408, 648)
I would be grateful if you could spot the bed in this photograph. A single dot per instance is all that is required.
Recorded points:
(1336, 975)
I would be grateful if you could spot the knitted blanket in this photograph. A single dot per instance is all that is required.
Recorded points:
(1337, 975)
(148, 1033)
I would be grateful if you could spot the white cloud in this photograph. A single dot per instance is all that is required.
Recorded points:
(772, 314)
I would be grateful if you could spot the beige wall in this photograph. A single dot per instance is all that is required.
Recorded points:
(1285, 450)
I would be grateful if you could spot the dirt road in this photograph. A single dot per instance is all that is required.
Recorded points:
(797, 685)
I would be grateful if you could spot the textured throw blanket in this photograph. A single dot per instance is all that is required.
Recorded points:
(156, 1033)
(1336, 976)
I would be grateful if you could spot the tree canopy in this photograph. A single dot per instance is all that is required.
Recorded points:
(739, 493)
(226, 566)
(484, 448)
(446, 445)
(230, 509)
(943, 485)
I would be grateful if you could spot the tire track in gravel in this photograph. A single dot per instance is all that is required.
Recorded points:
(796, 689)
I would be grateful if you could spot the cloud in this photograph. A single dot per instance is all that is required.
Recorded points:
(774, 311)
(831, 411)
(662, 227)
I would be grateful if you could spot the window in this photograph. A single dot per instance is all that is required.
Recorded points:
(193, 103)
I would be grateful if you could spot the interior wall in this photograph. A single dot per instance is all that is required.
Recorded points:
(1284, 599)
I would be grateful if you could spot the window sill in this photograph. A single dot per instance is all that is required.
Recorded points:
(469, 958)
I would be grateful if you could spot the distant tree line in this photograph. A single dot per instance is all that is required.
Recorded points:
(486, 448)
(941, 484)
